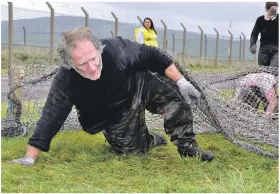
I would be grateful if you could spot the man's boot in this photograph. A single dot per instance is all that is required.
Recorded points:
(158, 139)
(194, 151)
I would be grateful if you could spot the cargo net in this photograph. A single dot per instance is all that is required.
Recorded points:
(241, 121)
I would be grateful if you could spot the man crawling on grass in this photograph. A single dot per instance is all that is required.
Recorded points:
(111, 83)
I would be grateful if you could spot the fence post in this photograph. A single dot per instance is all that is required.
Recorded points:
(24, 36)
(139, 20)
(112, 34)
(201, 44)
(230, 48)
(52, 34)
(116, 24)
(240, 47)
(86, 16)
(164, 35)
(244, 46)
(217, 47)
(13, 73)
(173, 43)
(205, 49)
(17, 74)
(11, 39)
(184, 41)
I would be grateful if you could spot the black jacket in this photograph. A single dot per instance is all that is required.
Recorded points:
(269, 32)
(97, 102)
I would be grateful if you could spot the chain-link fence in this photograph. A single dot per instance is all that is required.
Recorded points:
(202, 43)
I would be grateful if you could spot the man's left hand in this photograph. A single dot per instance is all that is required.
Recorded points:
(187, 90)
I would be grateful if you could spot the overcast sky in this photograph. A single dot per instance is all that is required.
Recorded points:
(206, 14)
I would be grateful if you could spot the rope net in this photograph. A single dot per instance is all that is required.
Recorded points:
(223, 108)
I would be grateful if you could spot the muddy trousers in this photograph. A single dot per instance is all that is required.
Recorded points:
(130, 134)
(268, 56)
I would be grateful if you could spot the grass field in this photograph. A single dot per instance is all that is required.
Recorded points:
(78, 162)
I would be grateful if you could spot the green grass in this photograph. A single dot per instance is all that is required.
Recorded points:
(26, 56)
(4, 106)
(78, 162)
(4, 71)
(194, 64)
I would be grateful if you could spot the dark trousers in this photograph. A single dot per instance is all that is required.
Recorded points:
(130, 133)
(268, 56)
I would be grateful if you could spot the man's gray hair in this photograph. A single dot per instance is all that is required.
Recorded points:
(69, 39)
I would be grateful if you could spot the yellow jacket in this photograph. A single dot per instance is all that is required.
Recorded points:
(150, 37)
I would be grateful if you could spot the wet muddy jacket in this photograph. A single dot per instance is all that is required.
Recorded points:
(97, 102)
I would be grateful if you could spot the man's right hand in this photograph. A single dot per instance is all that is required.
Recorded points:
(29, 158)
(253, 49)
(25, 161)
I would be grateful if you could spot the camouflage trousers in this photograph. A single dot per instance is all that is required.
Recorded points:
(130, 134)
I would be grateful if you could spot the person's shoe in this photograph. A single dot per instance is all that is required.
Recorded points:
(158, 139)
(194, 151)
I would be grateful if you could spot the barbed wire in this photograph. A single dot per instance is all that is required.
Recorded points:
(69, 10)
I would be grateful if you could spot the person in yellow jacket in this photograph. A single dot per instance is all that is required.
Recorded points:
(147, 34)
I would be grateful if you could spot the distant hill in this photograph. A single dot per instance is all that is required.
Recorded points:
(37, 34)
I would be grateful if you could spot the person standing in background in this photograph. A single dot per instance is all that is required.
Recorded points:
(147, 34)
(267, 25)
